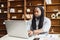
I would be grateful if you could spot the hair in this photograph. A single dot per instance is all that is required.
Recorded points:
(41, 17)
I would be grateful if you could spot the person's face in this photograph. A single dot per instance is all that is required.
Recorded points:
(37, 12)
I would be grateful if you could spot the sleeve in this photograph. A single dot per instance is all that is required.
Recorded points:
(46, 25)
(28, 25)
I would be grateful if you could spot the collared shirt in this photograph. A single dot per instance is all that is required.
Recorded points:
(46, 24)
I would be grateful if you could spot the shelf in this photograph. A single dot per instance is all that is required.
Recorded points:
(28, 18)
(16, 19)
(52, 12)
(16, 7)
(3, 18)
(20, 13)
(55, 19)
(34, 0)
(3, 1)
(2, 24)
(3, 13)
(56, 25)
(29, 12)
(2, 29)
(54, 33)
(3, 7)
(34, 5)
(56, 4)
(16, 13)
(16, 1)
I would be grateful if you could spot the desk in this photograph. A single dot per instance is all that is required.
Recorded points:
(42, 37)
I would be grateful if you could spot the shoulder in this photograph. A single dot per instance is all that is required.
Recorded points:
(46, 19)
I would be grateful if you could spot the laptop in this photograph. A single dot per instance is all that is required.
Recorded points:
(17, 28)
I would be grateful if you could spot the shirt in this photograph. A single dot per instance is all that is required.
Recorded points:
(46, 24)
(37, 22)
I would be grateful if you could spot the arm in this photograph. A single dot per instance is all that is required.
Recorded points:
(30, 32)
(28, 25)
(45, 28)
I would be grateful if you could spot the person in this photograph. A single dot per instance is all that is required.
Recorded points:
(39, 24)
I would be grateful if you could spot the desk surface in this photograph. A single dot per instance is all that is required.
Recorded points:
(42, 37)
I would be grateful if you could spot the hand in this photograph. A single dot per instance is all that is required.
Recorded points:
(30, 33)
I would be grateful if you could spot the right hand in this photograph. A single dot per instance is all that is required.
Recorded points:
(30, 33)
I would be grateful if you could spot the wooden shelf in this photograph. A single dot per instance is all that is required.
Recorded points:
(52, 12)
(49, 11)
(29, 12)
(35, 0)
(3, 13)
(54, 33)
(28, 18)
(3, 1)
(34, 5)
(16, 7)
(56, 4)
(55, 19)
(3, 18)
(16, 19)
(17, 1)
(2, 29)
(16, 13)
(56, 25)
(2, 24)
(3, 7)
